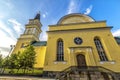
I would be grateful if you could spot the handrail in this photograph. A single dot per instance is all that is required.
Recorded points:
(105, 69)
(88, 68)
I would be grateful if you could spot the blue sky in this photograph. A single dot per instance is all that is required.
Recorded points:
(14, 14)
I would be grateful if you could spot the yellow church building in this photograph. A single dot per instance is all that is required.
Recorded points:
(77, 44)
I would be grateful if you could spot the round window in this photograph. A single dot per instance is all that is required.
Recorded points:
(78, 40)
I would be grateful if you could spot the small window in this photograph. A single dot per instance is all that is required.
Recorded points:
(24, 45)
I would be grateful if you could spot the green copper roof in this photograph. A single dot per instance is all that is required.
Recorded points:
(39, 43)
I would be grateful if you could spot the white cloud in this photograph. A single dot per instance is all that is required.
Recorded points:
(4, 48)
(116, 33)
(16, 26)
(88, 10)
(5, 42)
(72, 7)
(6, 29)
(43, 37)
(4, 51)
(45, 14)
(7, 38)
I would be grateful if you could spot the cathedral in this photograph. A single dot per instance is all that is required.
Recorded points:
(77, 46)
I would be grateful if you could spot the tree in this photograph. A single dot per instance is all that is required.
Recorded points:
(12, 61)
(5, 64)
(1, 60)
(20, 60)
(28, 58)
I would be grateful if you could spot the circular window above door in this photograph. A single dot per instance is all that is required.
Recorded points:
(78, 40)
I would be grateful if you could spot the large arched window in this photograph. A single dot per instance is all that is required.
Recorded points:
(60, 50)
(100, 50)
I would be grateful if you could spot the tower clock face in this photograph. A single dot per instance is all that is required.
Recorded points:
(78, 40)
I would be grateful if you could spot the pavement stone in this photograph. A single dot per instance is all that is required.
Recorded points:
(22, 78)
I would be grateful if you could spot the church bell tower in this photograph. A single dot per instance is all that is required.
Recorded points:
(31, 33)
(33, 29)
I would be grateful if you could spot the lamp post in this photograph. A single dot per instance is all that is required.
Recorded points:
(11, 48)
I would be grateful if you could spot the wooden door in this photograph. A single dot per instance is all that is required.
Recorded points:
(81, 61)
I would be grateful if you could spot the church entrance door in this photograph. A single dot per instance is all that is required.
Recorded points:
(81, 61)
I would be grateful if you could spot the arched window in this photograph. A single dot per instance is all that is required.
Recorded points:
(60, 50)
(100, 50)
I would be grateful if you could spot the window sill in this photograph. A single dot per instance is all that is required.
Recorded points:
(63, 62)
(111, 62)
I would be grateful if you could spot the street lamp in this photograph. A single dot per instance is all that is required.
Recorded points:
(11, 49)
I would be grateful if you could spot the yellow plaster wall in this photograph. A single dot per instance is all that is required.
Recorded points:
(111, 47)
(78, 26)
(19, 44)
(40, 56)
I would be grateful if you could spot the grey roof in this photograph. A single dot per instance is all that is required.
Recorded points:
(117, 40)
(39, 43)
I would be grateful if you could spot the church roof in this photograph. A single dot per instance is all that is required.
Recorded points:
(117, 40)
(75, 18)
(39, 43)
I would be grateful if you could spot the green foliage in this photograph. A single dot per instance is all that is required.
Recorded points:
(24, 60)
(28, 57)
(5, 62)
(1, 60)
(11, 61)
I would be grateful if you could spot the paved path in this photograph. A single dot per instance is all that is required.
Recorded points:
(22, 78)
